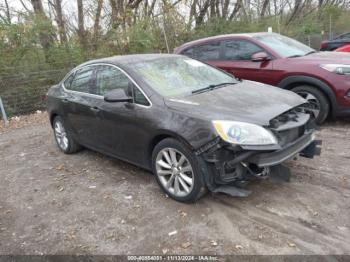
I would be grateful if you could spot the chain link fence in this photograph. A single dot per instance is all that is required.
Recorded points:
(24, 93)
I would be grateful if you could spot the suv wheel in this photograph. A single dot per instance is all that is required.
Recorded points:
(318, 102)
(63, 138)
(177, 171)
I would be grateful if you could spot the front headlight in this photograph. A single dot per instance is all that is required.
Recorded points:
(339, 69)
(241, 133)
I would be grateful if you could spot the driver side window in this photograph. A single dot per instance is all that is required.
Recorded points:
(110, 78)
(239, 50)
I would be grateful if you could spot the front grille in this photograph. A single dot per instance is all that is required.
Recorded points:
(290, 125)
(289, 135)
(291, 115)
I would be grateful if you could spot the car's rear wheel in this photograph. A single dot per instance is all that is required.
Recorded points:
(63, 138)
(177, 171)
(318, 102)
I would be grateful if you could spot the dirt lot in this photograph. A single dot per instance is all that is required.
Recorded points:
(51, 203)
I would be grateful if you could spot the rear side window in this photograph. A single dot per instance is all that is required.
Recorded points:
(82, 81)
(208, 52)
(239, 50)
(68, 81)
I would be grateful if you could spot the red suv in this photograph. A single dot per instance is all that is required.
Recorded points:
(322, 78)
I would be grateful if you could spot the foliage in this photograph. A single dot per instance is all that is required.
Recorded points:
(34, 42)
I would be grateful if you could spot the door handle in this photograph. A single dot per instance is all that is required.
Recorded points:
(65, 100)
(95, 109)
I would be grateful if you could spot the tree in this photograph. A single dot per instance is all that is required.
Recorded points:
(97, 21)
(7, 11)
(60, 21)
(202, 12)
(264, 8)
(81, 27)
(46, 35)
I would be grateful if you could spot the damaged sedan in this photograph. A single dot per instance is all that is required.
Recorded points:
(196, 127)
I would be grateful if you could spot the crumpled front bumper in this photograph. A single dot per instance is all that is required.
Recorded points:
(305, 146)
(230, 168)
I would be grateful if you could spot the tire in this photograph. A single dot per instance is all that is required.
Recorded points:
(316, 98)
(186, 169)
(69, 146)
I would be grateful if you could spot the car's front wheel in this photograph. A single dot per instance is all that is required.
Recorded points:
(177, 171)
(318, 102)
(63, 138)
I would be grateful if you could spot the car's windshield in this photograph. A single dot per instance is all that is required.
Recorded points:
(179, 76)
(284, 46)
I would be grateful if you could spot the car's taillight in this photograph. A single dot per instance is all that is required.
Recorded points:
(323, 44)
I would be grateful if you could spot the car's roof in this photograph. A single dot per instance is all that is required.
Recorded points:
(218, 37)
(127, 59)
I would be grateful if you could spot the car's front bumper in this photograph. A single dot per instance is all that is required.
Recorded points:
(229, 166)
(305, 143)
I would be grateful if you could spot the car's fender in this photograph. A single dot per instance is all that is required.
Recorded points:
(292, 81)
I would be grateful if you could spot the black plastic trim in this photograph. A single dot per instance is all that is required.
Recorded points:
(277, 157)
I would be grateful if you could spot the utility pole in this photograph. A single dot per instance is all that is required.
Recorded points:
(3, 113)
(330, 27)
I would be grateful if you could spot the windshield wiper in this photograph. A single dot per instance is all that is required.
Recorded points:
(311, 52)
(308, 53)
(292, 56)
(211, 87)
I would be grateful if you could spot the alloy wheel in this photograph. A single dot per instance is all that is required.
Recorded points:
(61, 136)
(174, 172)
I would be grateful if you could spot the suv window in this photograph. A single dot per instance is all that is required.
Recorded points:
(82, 80)
(190, 52)
(208, 52)
(239, 50)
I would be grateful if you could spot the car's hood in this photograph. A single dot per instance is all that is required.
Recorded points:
(326, 57)
(246, 101)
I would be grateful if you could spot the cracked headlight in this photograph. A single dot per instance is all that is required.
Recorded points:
(339, 69)
(241, 133)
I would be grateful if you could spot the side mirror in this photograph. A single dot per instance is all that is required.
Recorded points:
(117, 95)
(260, 57)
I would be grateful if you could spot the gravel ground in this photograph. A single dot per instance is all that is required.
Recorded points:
(51, 203)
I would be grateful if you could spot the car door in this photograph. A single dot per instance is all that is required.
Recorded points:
(236, 59)
(80, 105)
(119, 128)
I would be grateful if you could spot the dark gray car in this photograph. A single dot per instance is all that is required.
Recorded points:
(194, 126)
